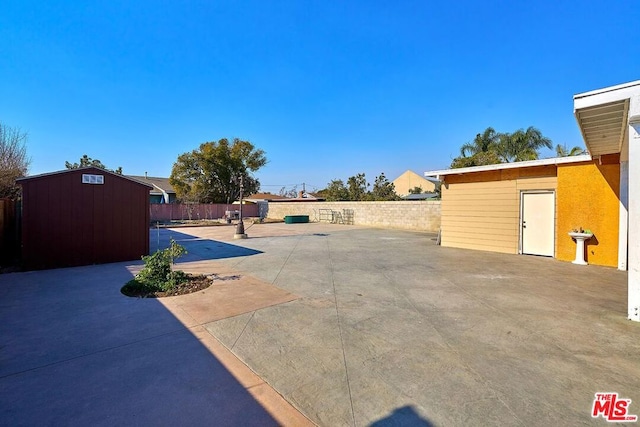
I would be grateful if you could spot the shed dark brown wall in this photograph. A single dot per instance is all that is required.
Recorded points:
(8, 231)
(67, 223)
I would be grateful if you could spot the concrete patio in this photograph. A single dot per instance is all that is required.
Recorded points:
(352, 326)
(394, 330)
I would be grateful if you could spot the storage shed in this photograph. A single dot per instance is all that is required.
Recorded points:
(83, 216)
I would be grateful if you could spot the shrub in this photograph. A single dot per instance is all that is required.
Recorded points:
(157, 275)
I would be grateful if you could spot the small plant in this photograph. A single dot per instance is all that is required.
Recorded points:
(581, 230)
(157, 275)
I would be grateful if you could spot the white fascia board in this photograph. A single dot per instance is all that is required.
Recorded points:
(165, 196)
(514, 165)
(606, 95)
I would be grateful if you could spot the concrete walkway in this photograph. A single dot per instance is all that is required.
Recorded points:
(352, 326)
(393, 330)
(75, 351)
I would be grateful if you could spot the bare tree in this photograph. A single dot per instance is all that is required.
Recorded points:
(14, 161)
(292, 194)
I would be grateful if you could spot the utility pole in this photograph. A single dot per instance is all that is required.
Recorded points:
(240, 234)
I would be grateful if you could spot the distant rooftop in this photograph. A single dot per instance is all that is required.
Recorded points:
(420, 196)
(265, 196)
(160, 185)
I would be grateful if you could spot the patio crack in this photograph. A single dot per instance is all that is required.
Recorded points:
(286, 260)
(242, 332)
(344, 355)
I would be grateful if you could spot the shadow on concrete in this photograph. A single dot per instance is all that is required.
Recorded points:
(404, 416)
(198, 249)
(75, 351)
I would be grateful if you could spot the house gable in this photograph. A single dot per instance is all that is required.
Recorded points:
(409, 180)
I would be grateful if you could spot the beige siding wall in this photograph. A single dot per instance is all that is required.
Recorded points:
(413, 215)
(485, 215)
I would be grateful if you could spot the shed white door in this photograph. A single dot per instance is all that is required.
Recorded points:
(538, 223)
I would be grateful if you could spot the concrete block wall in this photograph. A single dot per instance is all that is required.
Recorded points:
(408, 215)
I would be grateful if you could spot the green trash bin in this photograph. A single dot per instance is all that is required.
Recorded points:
(296, 219)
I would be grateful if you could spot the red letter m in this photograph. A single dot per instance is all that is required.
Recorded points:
(601, 407)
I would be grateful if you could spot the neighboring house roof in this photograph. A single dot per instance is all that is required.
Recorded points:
(421, 196)
(409, 180)
(514, 165)
(160, 185)
(302, 197)
(259, 197)
(317, 196)
(267, 197)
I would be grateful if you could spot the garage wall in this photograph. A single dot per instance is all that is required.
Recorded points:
(482, 210)
(588, 197)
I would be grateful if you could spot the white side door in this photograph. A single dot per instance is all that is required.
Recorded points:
(538, 223)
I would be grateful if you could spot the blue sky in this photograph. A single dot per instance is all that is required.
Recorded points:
(328, 89)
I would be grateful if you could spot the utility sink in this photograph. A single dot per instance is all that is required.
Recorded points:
(580, 238)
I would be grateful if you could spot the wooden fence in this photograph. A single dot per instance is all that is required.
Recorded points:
(185, 211)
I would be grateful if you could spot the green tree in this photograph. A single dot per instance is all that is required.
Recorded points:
(479, 159)
(336, 191)
(522, 145)
(211, 173)
(562, 151)
(415, 190)
(383, 189)
(481, 151)
(86, 161)
(357, 187)
(14, 162)
(491, 147)
(482, 143)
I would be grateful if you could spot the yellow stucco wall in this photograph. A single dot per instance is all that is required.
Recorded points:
(588, 197)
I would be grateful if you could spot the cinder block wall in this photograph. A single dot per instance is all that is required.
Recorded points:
(409, 215)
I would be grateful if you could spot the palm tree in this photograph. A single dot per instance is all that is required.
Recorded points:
(561, 151)
(482, 143)
(522, 145)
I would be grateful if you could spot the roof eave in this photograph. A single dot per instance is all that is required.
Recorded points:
(606, 95)
(605, 133)
(515, 165)
(85, 168)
